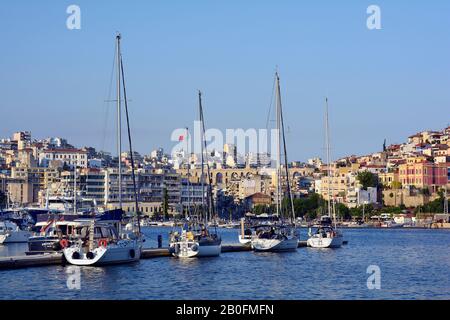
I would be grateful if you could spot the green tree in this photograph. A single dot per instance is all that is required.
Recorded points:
(260, 209)
(367, 179)
(342, 211)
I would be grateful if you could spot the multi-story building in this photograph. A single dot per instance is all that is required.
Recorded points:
(69, 157)
(191, 195)
(421, 173)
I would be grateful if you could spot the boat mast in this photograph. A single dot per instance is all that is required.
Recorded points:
(277, 107)
(209, 205)
(119, 118)
(330, 178)
(289, 190)
(133, 174)
(202, 154)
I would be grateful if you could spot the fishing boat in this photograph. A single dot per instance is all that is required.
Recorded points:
(280, 236)
(105, 244)
(327, 235)
(195, 239)
(10, 232)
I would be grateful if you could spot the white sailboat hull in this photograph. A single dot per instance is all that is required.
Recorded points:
(275, 245)
(184, 249)
(15, 237)
(319, 242)
(192, 249)
(124, 252)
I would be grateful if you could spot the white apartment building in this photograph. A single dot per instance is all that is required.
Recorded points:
(70, 157)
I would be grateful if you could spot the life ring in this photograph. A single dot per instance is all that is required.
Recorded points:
(194, 247)
(64, 243)
(103, 242)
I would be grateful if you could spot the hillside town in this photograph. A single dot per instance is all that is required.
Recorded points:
(409, 178)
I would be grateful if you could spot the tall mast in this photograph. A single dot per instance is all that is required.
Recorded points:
(209, 205)
(133, 174)
(202, 152)
(289, 190)
(330, 178)
(278, 115)
(119, 118)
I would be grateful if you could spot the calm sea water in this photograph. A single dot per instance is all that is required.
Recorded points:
(414, 264)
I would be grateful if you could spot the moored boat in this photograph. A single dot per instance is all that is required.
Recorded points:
(280, 236)
(275, 239)
(100, 244)
(10, 232)
(326, 236)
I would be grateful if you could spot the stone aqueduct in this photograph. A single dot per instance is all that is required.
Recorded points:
(229, 175)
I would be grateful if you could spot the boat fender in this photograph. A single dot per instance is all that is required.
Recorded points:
(132, 253)
(64, 243)
(76, 255)
(194, 247)
(90, 255)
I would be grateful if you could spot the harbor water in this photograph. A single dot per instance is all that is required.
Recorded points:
(413, 264)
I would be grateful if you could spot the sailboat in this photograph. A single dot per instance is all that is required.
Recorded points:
(195, 239)
(101, 242)
(281, 236)
(327, 235)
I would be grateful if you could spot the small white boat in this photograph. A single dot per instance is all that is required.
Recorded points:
(11, 233)
(391, 224)
(274, 239)
(326, 237)
(194, 243)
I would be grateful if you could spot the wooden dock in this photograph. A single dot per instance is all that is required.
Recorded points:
(40, 260)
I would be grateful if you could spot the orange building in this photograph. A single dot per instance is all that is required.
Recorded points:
(421, 173)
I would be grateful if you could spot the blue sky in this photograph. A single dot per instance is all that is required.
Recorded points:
(385, 83)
